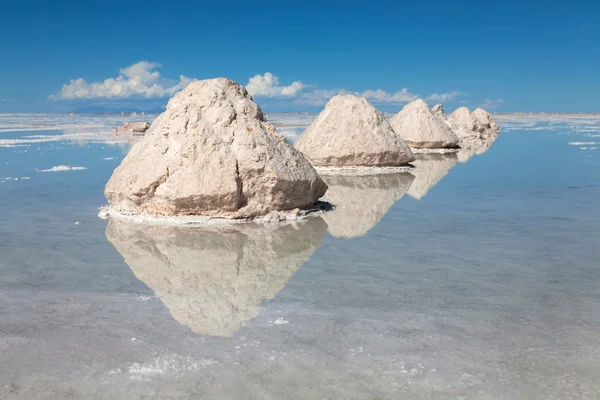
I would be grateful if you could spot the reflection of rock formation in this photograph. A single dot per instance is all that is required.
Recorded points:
(430, 169)
(473, 147)
(361, 201)
(213, 280)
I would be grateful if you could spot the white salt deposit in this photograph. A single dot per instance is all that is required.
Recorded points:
(361, 170)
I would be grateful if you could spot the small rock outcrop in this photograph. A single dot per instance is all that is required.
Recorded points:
(419, 127)
(351, 132)
(211, 153)
(476, 124)
(133, 127)
(465, 123)
(362, 201)
(438, 110)
(486, 120)
(430, 169)
(214, 279)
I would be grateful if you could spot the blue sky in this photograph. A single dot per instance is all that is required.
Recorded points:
(508, 56)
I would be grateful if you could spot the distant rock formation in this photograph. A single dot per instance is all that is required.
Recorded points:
(486, 121)
(214, 280)
(430, 169)
(133, 127)
(465, 124)
(211, 153)
(476, 130)
(351, 132)
(361, 201)
(419, 127)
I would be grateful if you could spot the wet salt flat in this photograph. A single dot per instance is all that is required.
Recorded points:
(473, 276)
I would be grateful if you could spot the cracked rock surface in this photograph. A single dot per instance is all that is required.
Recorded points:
(212, 153)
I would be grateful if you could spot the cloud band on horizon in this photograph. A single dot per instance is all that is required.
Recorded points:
(142, 80)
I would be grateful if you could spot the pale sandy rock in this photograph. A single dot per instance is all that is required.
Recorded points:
(362, 201)
(419, 127)
(133, 127)
(215, 280)
(211, 153)
(485, 119)
(438, 110)
(465, 124)
(351, 132)
(429, 170)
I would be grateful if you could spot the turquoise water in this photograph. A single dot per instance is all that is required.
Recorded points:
(467, 279)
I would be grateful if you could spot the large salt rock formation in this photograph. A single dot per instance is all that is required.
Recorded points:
(133, 127)
(419, 127)
(361, 201)
(214, 279)
(429, 170)
(211, 153)
(351, 132)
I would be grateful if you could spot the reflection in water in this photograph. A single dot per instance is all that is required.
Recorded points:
(476, 147)
(213, 280)
(430, 169)
(361, 201)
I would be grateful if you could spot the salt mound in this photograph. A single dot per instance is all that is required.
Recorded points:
(351, 132)
(419, 127)
(465, 123)
(429, 170)
(214, 279)
(211, 153)
(486, 120)
(362, 201)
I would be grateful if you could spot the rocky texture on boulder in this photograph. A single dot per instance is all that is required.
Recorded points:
(133, 127)
(214, 280)
(419, 127)
(429, 170)
(351, 132)
(361, 201)
(211, 153)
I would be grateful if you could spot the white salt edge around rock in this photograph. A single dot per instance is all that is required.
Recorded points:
(289, 216)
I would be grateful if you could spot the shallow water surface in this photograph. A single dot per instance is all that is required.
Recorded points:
(474, 276)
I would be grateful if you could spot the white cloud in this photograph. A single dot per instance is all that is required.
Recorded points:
(138, 80)
(319, 97)
(267, 85)
(492, 104)
(142, 80)
(379, 95)
(443, 97)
